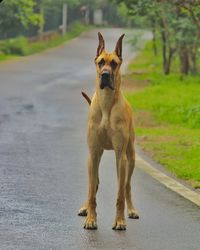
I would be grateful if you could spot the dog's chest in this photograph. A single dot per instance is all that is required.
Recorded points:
(103, 123)
(105, 133)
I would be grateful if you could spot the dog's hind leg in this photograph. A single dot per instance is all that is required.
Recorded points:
(132, 213)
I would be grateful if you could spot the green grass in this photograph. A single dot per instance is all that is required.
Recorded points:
(21, 47)
(75, 31)
(171, 130)
(6, 57)
(171, 102)
(176, 148)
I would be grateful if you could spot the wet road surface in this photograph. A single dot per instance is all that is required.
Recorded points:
(43, 172)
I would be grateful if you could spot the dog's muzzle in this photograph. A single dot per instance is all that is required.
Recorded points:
(106, 80)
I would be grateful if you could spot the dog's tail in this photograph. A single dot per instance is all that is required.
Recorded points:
(86, 97)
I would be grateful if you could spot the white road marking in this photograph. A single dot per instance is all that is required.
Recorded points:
(168, 181)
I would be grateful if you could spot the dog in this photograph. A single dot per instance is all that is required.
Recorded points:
(110, 127)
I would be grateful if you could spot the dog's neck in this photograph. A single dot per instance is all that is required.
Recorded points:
(108, 97)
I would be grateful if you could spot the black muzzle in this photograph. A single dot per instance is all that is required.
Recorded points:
(106, 80)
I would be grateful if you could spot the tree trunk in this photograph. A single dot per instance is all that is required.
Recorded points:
(192, 57)
(154, 42)
(167, 67)
(184, 61)
(164, 50)
(193, 52)
(193, 65)
(167, 51)
(168, 62)
(154, 37)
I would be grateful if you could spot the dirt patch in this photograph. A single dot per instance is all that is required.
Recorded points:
(155, 139)
(134, 85)
(148, 151)
(146, 140)
(145, 119)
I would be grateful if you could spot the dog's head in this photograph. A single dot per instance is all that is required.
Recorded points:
(108, 64)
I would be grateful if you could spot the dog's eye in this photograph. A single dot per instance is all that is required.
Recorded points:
(113, 64)
(101, 63)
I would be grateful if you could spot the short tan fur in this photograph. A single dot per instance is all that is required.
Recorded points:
(110, 127)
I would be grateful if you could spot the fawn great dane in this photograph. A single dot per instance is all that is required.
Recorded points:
(110, 127)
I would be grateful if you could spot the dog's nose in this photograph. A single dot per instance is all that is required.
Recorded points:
(106, 80)
(105, 75)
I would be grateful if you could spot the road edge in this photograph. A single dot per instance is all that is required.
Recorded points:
(167, 181)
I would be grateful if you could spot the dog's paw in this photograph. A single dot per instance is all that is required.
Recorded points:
(90, 223)
(82, 211)
(119, 224)
(133, 214)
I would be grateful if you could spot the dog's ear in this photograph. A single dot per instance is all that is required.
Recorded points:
(101, 45)
(118, 47)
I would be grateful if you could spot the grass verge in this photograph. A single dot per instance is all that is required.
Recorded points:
(167, 114)
(6, 57)
(20, 46)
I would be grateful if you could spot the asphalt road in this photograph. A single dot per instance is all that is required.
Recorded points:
(43, 172)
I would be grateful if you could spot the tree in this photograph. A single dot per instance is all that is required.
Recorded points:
(174, 21)
(43, 7)
(17, 13)
(191, 10)
(158, 19)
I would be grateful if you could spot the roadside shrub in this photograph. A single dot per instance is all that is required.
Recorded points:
(23, 46)
(16, 46)
(76, 28)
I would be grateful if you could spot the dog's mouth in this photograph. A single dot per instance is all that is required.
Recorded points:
(106, 84)
(106, 80)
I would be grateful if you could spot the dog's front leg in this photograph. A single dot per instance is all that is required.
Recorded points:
(93, 166)
(120, 223)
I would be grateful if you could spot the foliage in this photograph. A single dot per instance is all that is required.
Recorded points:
(21, 46)
(123, 12)
(33, 17)
(14, 13)
(16, 46)
(172, 22)
(6, 57)
(170, 132)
